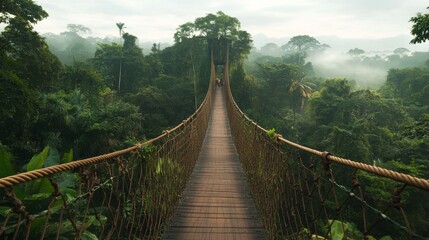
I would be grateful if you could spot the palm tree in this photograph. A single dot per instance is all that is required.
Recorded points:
(300, 89)
(121, 27)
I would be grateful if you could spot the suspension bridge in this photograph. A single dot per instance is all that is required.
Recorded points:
(217, 175)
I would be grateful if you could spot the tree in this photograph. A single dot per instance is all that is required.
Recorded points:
(301, 45)
(184, 32)
(300, 89)
(409, 84)
(27, 69)
(26, 10)
(356, 52)
(120, 27)
(215, 32)
(420, 28)
(219, 26)
(241, 47)
(401, 51)
(78, 29)
(285, 85)
(154, 61)
(22, 50)
(271, 49)
(221, 30)
(128, 59)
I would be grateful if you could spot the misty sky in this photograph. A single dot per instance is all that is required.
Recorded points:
(157, 20)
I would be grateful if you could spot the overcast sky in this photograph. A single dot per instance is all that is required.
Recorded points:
(157, 20)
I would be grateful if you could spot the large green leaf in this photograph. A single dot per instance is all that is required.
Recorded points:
(89, 236)
(67, 157)
(6, 168)
(36, 226)
(46, 186)
(37, 160)
(53, 158)
(66, 180)
(39, 189)
(338, 229)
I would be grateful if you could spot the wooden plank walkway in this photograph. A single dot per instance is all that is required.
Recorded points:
(217, 203)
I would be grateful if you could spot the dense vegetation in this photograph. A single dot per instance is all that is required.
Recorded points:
(95, 103)
(90, 104)
(386, 126)
(99, 98)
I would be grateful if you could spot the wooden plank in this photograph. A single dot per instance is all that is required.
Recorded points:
(217, 203)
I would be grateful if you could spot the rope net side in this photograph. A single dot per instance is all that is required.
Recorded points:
(128, 194)
(302, 193)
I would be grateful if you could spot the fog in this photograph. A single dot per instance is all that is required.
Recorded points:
(369, 69)
(333, 64)
(343, 44)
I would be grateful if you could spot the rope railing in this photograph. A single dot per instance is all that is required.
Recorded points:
(127, 194)
(302, 193)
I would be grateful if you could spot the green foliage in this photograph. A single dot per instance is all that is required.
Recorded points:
(122, 67)
(420, 28)
(7, 168)
(22, 9)
(338, 229)
(16, 99)
(387, 127)
(28, 55)
(410, 85)
(300, 46)
(272, 134)
(301, 43)
(67, 157)
(38, 160)
(356, 51)
(88, 108)
(89, 236)
(219, 30)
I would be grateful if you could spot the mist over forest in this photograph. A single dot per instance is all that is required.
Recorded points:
(368, 69)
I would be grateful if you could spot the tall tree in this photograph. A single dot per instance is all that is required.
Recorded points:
(126, 60)
(301, 45)
(220, 29)
(299, 88)
(78, 29)
(121, 27)
(215, 31)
